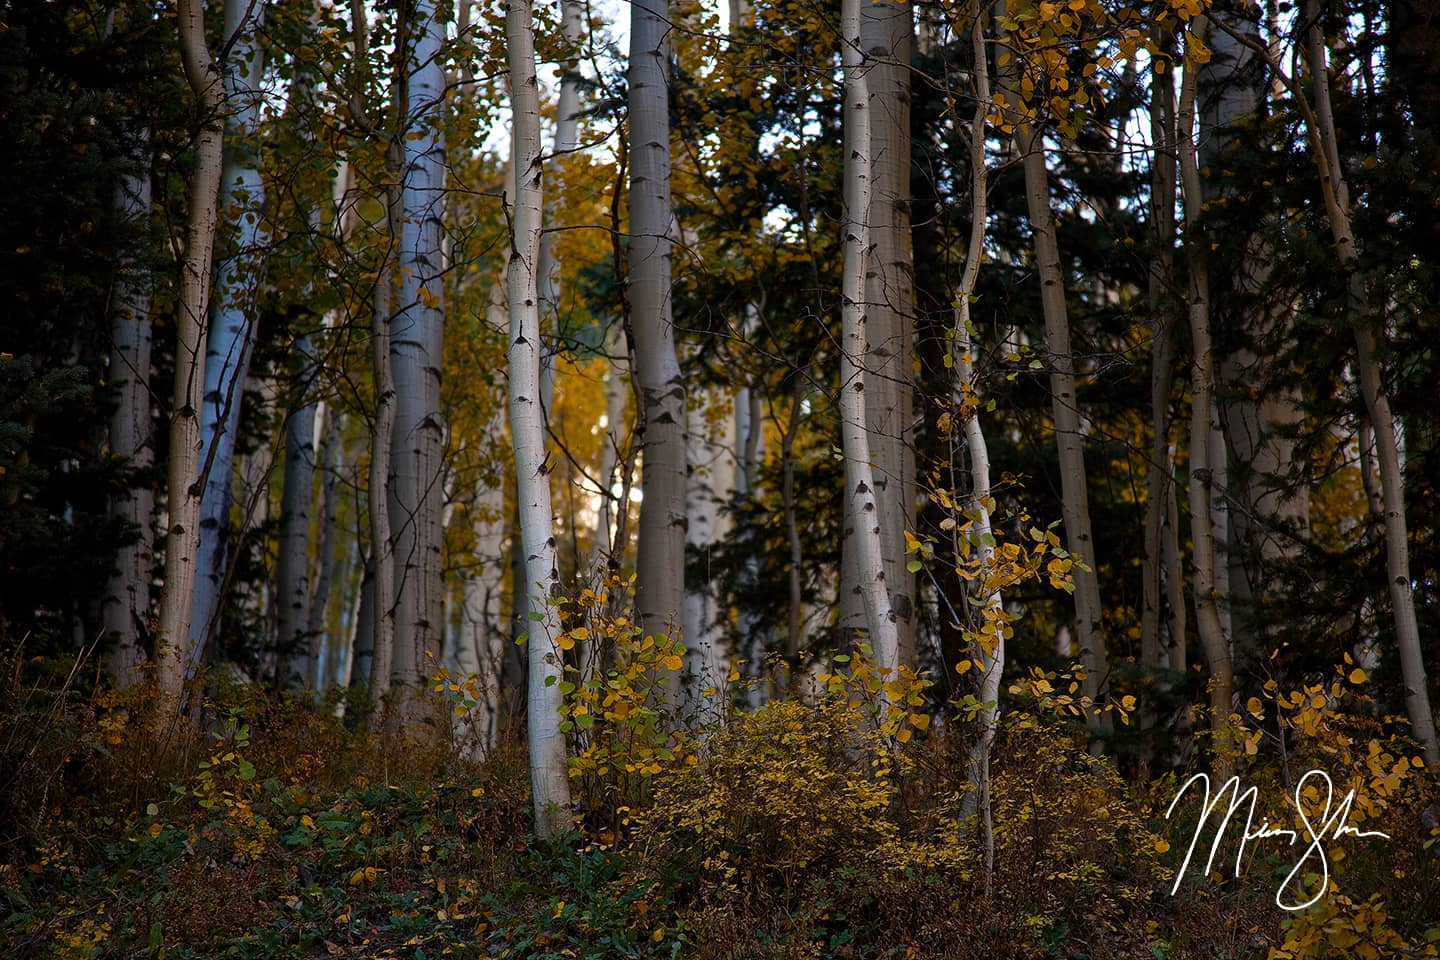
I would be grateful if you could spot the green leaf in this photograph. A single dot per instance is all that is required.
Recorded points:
(914, 566)
(152, 810)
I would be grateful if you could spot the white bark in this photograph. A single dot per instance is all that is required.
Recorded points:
(710, 441)
(324, 644)
(989, 639)
(481, 650)
(1159, 472)
(548, 778)
(1271, 514)
(292, 582)
(1207, 598)
(182, 496)
(1325, 146)
(415, 494)
(617, 384)
(863, 516)
(126, 603)
(1319, 124)
(381, 652)
(886, 27)
(232, 319)
(1069, 440)
(660, 565)
(567, 138)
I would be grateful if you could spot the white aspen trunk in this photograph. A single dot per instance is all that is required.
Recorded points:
(1175, 609)
(1272, 514)
(1221, 529)
(1203, 561)
(1326, 148)
(567, 138)
(863, 515)
(1069, 441)
(126, 603)
(548, 776)
(886, 27)
(710, 439)
(481, 650)
(292, 585)
(617, 382)
(1159, 472)
(232, 317)
(415, 494)
(749, 437)
(989, 639)
(317, 628)
(182, 542)
(381, 652)
(660, 565)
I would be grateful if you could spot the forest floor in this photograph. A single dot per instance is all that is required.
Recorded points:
(281, 831)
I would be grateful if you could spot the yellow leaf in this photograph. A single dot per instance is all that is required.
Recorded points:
(1357, 676)
(964, 665)
(1161, 846)
(155, 829)
(734, 674)
(920, 720)
(672, 662)
(658, 935)
(903, 735)
(559, 909)
(1254, 706)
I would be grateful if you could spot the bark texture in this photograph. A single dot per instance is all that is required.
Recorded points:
(415, 492)
(125, 608)
(660, 582)
(862, 513)
(182, 542)
(548, 778)
(231, 336)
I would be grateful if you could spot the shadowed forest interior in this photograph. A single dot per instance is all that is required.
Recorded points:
(679, 479)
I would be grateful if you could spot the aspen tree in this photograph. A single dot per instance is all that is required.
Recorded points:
(1213, 639)
(660, 565)
(233, 321)
(182, 540)
(1064, 403)
(416, 329)
(125, 606)
(548, 778)
(863, 516)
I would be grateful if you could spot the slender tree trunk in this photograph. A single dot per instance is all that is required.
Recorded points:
(292, 580)
(1259, 401)
(617, 381)
(711, 441)
(317, 627)
(988, 641)
(886, 27)
(382, 543)
(548, 777)
(660, 583)
(1325, 146)
(183, 490)
(125, 608)
(1207, 614)
(1159, 473)
(232, 321)
(482, 646)
(415, 494)
(1065, 408)
(863, 516)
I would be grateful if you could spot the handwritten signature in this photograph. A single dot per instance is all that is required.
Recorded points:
(1331, 826)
